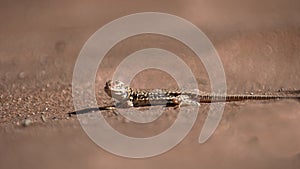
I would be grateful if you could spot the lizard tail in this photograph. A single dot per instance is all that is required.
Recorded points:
(296, 94)
(297, 98)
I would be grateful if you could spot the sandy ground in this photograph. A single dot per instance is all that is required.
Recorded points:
(258, 43)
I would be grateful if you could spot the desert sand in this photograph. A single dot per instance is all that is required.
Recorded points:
(259, 46)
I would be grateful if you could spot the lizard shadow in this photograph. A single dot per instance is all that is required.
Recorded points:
(89, 110)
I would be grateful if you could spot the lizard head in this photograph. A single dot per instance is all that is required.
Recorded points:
(117, 90)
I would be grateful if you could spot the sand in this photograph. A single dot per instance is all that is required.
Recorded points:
(259, 46)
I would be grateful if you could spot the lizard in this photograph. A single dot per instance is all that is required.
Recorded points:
(126, 96)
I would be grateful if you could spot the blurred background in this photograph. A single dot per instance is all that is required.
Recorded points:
(258, 43)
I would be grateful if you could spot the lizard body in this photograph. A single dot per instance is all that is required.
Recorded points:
(129, 97)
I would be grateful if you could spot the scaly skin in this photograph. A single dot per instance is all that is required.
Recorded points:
(129, 97)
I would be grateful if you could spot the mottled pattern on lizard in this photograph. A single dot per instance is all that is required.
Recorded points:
(129, 97)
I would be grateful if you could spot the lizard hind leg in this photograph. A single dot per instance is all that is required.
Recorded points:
(183, 100)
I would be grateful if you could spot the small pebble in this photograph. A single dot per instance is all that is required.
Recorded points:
(22, 75)
(26, 122)
(64, 92)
